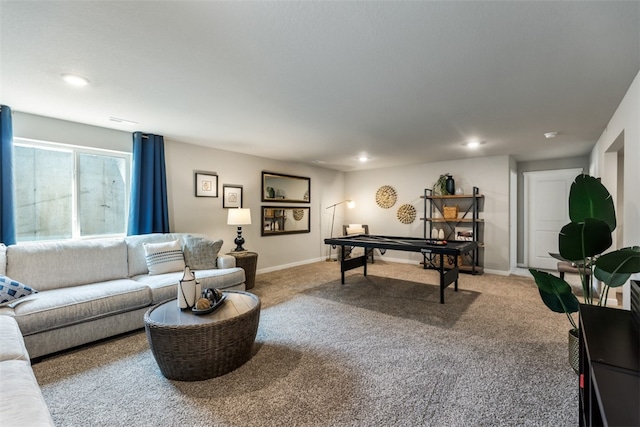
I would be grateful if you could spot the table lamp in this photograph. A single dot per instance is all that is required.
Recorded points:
(239, 217)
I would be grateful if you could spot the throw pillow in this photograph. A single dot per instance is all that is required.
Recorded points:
(201, 253)
(11, 290)
(164, 257)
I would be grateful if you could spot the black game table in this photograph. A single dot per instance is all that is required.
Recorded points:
(411, 244)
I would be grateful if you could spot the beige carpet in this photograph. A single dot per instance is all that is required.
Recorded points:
(377, 351)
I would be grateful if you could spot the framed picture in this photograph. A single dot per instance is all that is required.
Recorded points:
(206, 184)
(231, 196)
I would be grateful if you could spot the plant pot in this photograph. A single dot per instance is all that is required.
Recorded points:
(574, 349)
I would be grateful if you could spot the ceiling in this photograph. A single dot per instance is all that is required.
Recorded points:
(325, 82)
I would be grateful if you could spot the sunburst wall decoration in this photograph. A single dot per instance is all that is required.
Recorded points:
(406, 214)
(386, 196)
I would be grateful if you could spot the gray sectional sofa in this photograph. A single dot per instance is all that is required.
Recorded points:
(86, 290)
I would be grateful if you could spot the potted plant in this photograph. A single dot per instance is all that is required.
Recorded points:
(583, 242)
(440, 186)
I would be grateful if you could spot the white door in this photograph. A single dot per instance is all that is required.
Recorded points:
(546, 211)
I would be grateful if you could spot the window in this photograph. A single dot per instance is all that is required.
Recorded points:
(68, 192)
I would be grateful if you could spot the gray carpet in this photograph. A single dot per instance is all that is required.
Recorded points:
(378, 351)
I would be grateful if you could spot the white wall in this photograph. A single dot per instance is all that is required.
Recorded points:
(626, 119)
(489, 174)
(188, 213)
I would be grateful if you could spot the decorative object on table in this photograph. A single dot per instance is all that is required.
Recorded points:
(406, 214)
(434, 233)
(231, 196)
(350, 204)
(298, 214)
(239, 217)
(450, 212)
(450, 185)
(206, 184)
(583, 242)
(188, 289)
(459, 191)
(441, 234)
(440, 186)
(386, 196)
(210, 300)
(278, 187)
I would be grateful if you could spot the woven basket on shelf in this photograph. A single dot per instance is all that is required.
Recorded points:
(450, 212)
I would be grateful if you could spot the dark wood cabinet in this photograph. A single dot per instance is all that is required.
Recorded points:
(609, 374)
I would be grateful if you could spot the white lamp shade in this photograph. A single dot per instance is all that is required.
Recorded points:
(239, 216)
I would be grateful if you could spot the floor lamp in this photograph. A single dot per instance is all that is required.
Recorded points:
(350, 204)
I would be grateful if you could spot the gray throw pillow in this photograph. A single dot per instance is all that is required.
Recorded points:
(201, 253)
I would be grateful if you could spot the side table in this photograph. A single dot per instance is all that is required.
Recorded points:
(247, 261)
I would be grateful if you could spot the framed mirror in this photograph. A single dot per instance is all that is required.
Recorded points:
(277, 187)
(278, 220)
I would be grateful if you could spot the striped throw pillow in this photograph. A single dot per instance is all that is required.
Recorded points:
(164, 257)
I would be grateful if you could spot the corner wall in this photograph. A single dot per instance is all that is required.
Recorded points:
(625, 120)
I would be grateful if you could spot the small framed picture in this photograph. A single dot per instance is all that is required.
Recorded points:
(231, 196)
(206, 184)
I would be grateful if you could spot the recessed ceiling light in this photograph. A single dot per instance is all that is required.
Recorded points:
(550, 135)
(363, 159)
(473, 143)
(123, 121)
(75, 80)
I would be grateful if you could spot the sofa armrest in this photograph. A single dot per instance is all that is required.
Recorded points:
(226, 261)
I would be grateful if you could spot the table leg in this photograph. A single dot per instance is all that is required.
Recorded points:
(441, 278)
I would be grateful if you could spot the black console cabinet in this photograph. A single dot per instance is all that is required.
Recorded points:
(609, 367)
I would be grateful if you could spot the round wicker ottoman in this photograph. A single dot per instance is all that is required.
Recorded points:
(190, 347)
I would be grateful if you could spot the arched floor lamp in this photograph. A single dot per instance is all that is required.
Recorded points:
(350, 204)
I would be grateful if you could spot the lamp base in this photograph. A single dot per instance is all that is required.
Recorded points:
(239, 241)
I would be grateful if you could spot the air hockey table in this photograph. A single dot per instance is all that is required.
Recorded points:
(430, 248)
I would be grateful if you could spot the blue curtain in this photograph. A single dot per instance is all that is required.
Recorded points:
(7, 206)
(148, 210)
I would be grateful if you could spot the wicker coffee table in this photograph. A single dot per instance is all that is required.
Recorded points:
(190, 347)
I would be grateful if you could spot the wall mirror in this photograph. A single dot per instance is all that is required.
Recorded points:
(278, 220)
(278, 187)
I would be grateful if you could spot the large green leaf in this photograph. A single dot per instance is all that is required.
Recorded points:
(611, 279)
(578, 241)
(622, 261)
(560, 303)
(555, 292)
(588, 198)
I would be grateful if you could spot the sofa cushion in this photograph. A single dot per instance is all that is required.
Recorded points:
(51, 265)
(20, 387)
(11, 341)
(165, 286)
(164, 257)
(135, 249)
(11, 290)
(62, 307)
(201, 253)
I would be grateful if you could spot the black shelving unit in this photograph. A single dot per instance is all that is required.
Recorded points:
(609, 373)
(469, 206)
